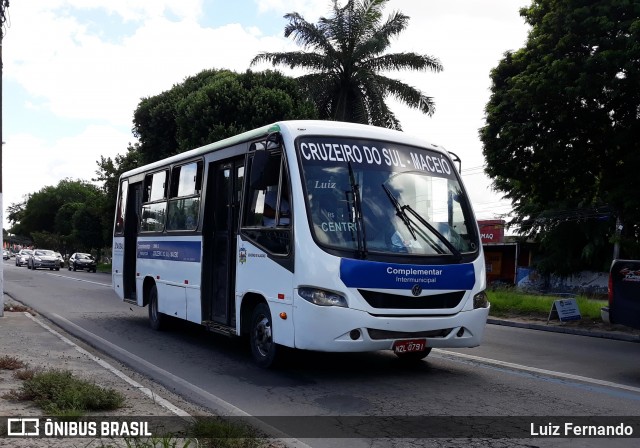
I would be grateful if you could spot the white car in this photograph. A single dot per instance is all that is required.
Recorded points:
(42, 258)
(59, 257)
(22, 257)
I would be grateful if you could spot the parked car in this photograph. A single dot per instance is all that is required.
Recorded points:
(5, 254)
(83, 262)
(59, 257)
(22, 258)
(42, 258)
(624, 294)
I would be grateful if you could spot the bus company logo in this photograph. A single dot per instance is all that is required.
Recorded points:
(117, 246)
(242, 255)
(23, 427)
(416, 290)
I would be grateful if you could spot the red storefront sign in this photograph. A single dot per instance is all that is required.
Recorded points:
(491, 231)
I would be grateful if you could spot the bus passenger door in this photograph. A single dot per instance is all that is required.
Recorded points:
(224, 185)
(132, 220)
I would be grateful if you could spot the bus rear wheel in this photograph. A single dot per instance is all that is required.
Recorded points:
(414, 356)
(265, 352)
(157, 320)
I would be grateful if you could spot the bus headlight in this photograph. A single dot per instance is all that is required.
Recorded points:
(322, 297)
(480, 300)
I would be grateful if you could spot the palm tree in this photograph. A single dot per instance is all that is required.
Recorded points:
(346, 58)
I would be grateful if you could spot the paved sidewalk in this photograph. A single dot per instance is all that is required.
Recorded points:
(41, 345)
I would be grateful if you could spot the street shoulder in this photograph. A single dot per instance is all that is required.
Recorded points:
(582, 327)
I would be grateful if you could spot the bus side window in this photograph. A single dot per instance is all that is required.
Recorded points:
(154, 205)
(267, 216)
(121, 207)
(184, 198)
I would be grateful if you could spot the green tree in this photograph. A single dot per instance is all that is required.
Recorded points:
(63, 219)
(48, 215)
(87, 229)
(46, 239)
(213, 105)
(207, 107)
(561, 130)
(15, 213)
(109, 171)
(346, 57)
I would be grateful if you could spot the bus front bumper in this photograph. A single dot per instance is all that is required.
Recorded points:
(334, 329)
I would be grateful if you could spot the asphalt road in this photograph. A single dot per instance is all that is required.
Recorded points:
(517, 372)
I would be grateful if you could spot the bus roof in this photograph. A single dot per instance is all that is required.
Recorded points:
(294, 128)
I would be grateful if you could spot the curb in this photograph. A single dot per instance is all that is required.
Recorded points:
(567, 330)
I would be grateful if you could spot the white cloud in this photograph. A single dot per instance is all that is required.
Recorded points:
(311, 10)
(31, 163)
(136, 10)
(78, 75)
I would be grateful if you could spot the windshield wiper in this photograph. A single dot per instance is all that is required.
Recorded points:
(361, 234)
(401, 212)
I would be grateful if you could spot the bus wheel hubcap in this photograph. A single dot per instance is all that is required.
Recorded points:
(262, 336)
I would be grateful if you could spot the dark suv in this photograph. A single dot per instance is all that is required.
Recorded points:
(82, 261)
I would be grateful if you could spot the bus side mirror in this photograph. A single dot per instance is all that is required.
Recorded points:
(456, 160)
(258, 165)
(265, 170)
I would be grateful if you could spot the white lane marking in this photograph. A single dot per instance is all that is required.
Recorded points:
(553, 373)
(108, 285)
(227, 408)
(146, 391)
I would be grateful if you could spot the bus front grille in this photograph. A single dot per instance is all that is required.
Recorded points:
(394, 301)
(385, 334)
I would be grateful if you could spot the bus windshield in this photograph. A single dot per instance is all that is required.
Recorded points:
(383, 197)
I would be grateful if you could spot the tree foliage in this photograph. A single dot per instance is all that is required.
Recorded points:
(561, 130)
(109, 171)
(211, 106)
(50, 216)
(207, 107)
(346, 57)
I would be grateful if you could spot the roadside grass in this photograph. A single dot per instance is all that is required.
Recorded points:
(506, 301)
(11, 363)
(217, 432)
(12, 307)
(59, 393)
(207, 432)
(168, 441)
(104, 267)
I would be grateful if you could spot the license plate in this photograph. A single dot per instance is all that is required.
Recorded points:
(411, 345)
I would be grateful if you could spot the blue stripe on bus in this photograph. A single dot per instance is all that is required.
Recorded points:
(372, 274)
(170, 250)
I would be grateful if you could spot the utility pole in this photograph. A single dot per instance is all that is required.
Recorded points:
(4, 4)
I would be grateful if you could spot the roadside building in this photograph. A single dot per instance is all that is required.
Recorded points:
(504, 254)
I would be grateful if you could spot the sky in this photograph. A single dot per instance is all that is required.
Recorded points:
(74, 71)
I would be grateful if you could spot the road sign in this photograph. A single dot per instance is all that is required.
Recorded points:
(565, 309)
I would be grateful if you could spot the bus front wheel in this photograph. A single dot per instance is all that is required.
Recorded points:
(265, 352)
(157, 320)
